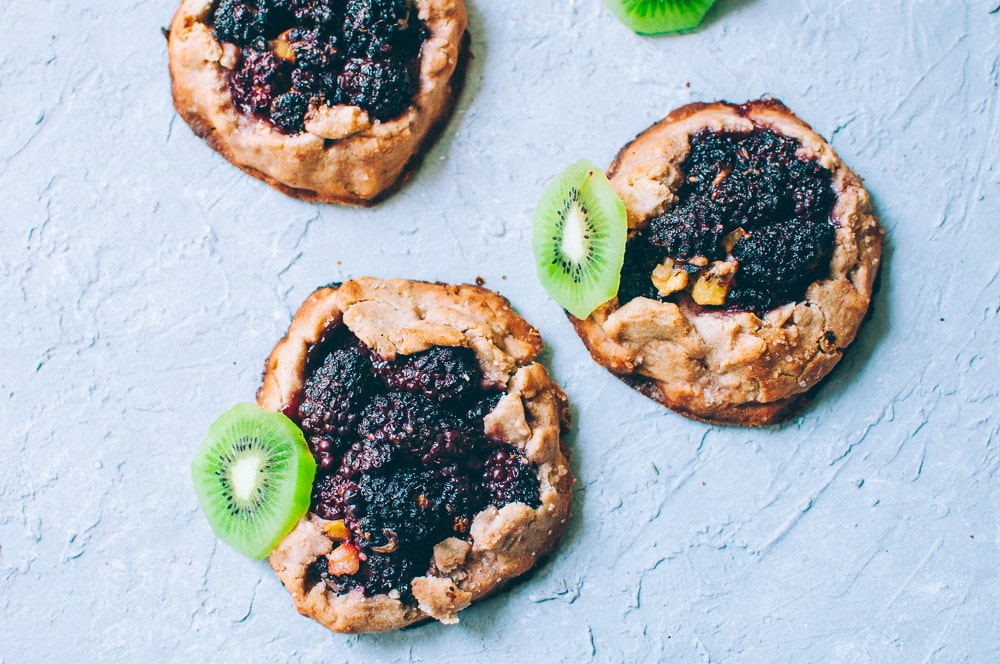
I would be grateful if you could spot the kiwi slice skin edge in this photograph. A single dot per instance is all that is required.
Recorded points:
(253, 476)
(655, 17)
(578, 238)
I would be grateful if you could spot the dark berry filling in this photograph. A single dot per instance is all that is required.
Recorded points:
(297, 53)
(336, 392)
(403, 459)
(751, 228)
(439, 373)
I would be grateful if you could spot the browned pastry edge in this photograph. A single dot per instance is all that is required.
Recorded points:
(751, 415)
(397, 316)
(204, 130)
(193, 113)
(677, 355)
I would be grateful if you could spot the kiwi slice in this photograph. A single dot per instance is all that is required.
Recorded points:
(579, 239)
(253, 475)
(654, 17)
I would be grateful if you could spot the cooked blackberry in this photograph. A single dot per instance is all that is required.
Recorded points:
(382, 87)
(318, 61)
(768, 182)
(640, 259)
(241, 21)
(688, 230)
(812, 196)
(749, 298)
(420, 467)
(335, 338)
(235, 21)
(318, 572)
(461, 496)
(381, 573)
(335, 394)
(481, 409)
(415, 424)
(288, 112)
(326, 450)
(318, 14)
(374, 29)
(334, 497)
(754, 182)
(412, 505)
(396, 518)
(313, 84)
(257, 80)
(508, 478)
(399, 508)
(439, 373)
(783, 258)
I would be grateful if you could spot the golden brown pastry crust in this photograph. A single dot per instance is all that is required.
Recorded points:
(734, 367)
(342, 156)
(398, 316)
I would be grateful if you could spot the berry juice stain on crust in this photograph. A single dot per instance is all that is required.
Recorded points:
(294, 53)
(402, 457)
(749, 205)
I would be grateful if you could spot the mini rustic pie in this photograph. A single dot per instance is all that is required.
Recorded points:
(326, 100)
(441, 473)
(749, 266)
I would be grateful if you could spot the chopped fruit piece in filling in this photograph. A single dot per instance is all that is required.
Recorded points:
(343, 560)
(713, 284)
(336, 530)
(748, 202)
(294, 54)
(282, 46)
(732, 238)
(669, 278)
(403, 457)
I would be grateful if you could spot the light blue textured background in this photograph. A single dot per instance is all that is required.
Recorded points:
(143, 280)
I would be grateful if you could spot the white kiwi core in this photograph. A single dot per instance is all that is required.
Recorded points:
(244, 474)
(574, 239)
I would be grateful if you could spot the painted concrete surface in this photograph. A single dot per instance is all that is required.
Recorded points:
(144, 280)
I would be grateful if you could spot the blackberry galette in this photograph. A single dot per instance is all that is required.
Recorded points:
(751, 257)
(441, 473)
(329, 100)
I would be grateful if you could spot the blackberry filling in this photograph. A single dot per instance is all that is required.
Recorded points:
(335, 393)
(751, 228)
(297, 53)
(440, 373)
(403, 460)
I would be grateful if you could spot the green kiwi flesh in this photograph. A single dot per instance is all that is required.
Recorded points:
(654, 17)
(578, 238)
(253, 475)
